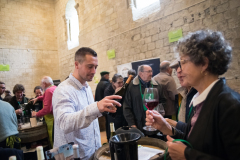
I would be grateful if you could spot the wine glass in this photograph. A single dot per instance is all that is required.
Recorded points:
(150, 100)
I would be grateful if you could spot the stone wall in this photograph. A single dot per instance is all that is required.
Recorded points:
(28, 42)
(108, 24)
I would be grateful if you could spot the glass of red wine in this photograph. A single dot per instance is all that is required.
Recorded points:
(150, 100)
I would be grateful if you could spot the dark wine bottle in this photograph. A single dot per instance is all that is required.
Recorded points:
(76, 155)
(122, 92)
(112, 130)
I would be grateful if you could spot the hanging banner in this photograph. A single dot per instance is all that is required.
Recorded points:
(175, 35)
(111, 54)
(4, 67)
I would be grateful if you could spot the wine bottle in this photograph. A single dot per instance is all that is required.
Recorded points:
(112, 130)
(12, 158)
(40, 155)
(122, 92)
(76, 155)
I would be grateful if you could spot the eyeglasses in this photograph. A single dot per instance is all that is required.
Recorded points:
(3, 87)
(148, 71)
(181, 62)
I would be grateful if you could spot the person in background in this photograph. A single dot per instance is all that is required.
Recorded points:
(47, 111)
(8, 126)
(2, 89)
(18, 99)
(133, 109)
(119, 120)
(169, 88)
(75, 112)
(214, 129)
(182, 102)
(8, 96)
(102, 85)
(130, 72)
(38, 91)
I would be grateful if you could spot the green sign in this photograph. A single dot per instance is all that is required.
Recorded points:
(175, 35)
(4, 67)
(111, 54)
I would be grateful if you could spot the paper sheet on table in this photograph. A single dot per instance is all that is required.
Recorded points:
(145, 153)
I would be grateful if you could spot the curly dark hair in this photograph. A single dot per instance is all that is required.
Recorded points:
(207, 44)
(18, 87)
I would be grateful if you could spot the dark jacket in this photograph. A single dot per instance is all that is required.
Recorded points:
(102, 85)
(133, 105)
(215, 135)
(119, 120)
(37, 106)
(15, 104)
(181, 125)
(7, 98)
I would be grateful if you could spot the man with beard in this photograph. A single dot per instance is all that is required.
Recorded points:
(75, 112)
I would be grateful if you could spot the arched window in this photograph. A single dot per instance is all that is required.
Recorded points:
(143, 8)
(72, 22)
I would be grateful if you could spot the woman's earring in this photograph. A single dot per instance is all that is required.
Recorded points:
(201, 72)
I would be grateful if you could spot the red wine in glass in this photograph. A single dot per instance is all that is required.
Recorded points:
(151, 104)
(150, 99)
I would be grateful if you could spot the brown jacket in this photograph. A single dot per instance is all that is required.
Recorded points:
(169, 89)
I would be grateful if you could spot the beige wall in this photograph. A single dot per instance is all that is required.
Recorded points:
(108, 24)
(28, 42)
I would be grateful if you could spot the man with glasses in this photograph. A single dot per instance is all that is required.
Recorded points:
(133, 108)
(2, 89)
(169, 87)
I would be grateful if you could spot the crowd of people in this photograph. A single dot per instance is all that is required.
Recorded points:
(206, 109)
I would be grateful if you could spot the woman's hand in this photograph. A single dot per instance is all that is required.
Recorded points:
(156, 120)
(171, 122)
(176, 149)
(34, 100)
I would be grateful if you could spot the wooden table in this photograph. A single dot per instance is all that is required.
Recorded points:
(33, 134)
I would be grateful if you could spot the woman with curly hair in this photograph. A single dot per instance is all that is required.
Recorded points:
(214, 130)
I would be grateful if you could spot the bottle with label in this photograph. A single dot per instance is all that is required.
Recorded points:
(122, 92)
(76, 155)
(12, 158)
(112, 130)
(40, 155)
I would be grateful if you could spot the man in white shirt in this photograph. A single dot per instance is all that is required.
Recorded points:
(75, 112)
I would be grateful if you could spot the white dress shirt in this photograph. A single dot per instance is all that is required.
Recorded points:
(76, 117)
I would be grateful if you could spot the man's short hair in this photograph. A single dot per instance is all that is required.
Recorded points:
(18, 87)
(2, 82)
(164, 66)
(132, 72)
(36, 88)
(82, 52)
(140, 68)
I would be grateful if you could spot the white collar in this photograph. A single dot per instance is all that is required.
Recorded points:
(79, 84)
(199, 98)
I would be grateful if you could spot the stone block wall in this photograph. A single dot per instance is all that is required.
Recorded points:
(28, 42)
(108, 24)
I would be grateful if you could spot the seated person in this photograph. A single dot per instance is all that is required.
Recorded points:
(8, 127)
(8, 96)
(18, 99)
